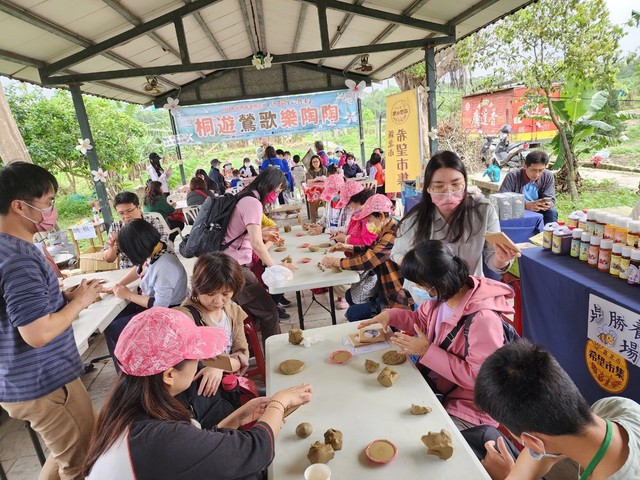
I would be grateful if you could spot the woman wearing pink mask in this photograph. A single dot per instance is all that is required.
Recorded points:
(244, 236)
(446, 212)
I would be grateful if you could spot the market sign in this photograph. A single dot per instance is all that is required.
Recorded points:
(614, 327)
(223, 122)
(404, 145)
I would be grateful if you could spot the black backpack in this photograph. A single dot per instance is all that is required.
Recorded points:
(210, 227)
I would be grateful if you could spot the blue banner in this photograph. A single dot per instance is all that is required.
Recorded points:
(223, 122)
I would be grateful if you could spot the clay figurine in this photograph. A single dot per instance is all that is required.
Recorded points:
(291, 367)
(287, 228)
(387, 377)
(419, 410)
(295, 336)
(394, 358)
(333, 438)
(370, 366)
(287, 259)
(281, 249)
(320, 453)
(439, 444)
(336, 269)
(304, 430)
(324, 245)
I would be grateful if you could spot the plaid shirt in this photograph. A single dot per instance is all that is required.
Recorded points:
(117, 226)
(377, 257)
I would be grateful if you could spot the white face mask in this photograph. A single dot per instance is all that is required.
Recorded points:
(536, 455)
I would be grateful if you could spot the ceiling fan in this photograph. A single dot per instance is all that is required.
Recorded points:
(153, 86)
(364, 66)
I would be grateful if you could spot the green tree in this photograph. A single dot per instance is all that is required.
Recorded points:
(546, 44)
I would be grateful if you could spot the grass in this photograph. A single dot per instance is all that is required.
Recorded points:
(596, 195)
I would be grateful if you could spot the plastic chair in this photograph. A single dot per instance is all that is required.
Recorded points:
(251, 333)
(191, 213)
(370, 185)
(164, 223)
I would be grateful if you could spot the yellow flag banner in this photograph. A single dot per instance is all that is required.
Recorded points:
(403, 140)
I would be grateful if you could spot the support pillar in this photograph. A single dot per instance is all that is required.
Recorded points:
(363, 161)
(92, 155)
(432, 124)
(178, 151)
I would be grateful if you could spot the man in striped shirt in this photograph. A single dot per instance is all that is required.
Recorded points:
(39, 362)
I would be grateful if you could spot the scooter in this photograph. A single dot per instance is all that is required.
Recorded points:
(504, 154)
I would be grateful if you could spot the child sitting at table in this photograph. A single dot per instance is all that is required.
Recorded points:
(450, 353)
(236, 181)
(329, 221)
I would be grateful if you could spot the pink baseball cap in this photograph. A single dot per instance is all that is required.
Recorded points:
(332, 186)
(159, 338)
(348, 191)
(377, 203)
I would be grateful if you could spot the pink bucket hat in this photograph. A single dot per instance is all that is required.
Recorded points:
(377, 203)
(332, 186)
(348, 191)
(159, 338)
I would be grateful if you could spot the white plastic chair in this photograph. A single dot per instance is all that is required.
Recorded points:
(164, 223)
(370, 185)
(191, 213)
(233, 190)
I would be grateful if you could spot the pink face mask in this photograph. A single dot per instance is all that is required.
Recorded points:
(270, 197)
(447, 202)
(49, 218)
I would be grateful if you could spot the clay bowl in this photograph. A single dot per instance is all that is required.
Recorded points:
(305, 260)
(381, 451)
(314, 248)
(304, 245)
(340, 356)
(324, 245)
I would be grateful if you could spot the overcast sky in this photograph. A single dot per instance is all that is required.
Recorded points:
(620, 11)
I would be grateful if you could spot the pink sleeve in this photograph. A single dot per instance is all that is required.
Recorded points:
(485, 337)
(403, 319)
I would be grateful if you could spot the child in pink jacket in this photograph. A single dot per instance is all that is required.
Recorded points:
(352, 198)
(444, 277)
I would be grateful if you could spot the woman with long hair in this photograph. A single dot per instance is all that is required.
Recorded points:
(159, 174)
(198, 192)
(144, 432)
(376, 172)
(244, 236)
(154, 201)
(447, 212)
(460, 305)
(315, 182)
(210, 185)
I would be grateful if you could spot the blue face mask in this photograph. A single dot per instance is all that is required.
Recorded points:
(336, 198)
(420, 295)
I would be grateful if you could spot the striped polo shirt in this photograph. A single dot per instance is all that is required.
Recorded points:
(30, 290)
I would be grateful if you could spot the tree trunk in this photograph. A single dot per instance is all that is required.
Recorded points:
(569, 157)
(72, 182)
(12, 147)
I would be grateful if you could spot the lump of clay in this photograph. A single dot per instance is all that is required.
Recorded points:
(394, 358)
(387, 377)
(370, 366)
(287, 259)
(333, 438)
(291, 367)
(304, 430)
(295, 336)
(320, 453)
(419, 409)
(438, 443)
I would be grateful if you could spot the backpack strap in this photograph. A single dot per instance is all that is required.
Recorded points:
(464, 321)
(197, 316)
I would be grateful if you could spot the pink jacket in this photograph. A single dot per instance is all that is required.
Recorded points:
(485, 337)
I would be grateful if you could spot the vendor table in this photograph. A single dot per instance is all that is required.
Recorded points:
(555, 307)
(521, 229)
(309, 275)
(348, 399)
(98, 316)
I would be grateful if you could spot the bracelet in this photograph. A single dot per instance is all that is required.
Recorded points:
(277, 401)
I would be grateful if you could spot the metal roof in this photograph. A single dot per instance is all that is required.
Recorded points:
(202, 49)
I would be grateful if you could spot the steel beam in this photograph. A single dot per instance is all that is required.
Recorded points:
(92, 155)
(470, 12)
(296, 39)
(324, 28)
(261, 31)
(129, 35)
(341, 28)
(182, 41)
(432, 106)
(385, 16)
(209, 34)
(247, 25)
(241, 62)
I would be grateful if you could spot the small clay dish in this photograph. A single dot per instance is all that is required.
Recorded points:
(381, 451)
(324, 245)
(340, 356)
(314, 248)
(281, 249)
(300, 234)
(305, 260)
(291, 367)
(304, 245)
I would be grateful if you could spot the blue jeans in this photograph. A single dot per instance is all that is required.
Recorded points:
(361, 311)
(550, 216)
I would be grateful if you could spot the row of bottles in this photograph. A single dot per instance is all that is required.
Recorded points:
(606, 241)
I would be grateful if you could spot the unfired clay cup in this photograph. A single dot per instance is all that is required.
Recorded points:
(317, 471)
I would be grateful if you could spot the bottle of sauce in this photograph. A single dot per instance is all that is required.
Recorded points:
(633, 275)
(604, 255)
(601, 220)
(576, 236)
(582, 222)
(610, 226)
(584, 246)
(625, 260)
(590, 225)
(547, 235)
(622, 228)
(616, 256)
(574, 218)
(594, 251)
(561, 241)
(633, 236)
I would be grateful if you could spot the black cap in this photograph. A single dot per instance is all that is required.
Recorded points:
(154, 156)
(215, 161)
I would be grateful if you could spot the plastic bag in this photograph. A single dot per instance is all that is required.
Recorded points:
(276, 276)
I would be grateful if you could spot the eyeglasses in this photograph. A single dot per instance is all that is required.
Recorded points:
(50, 205)
(455, 188)
(126, 213)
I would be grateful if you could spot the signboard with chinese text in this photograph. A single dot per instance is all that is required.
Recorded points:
(266, 117)
(614, 327)
(403, 152)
